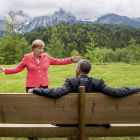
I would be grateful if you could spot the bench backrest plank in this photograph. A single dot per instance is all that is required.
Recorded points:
(26, 108)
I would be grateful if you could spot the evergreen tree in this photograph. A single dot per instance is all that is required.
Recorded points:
(134, 51)
(55, 46)
(93, 54)
(10, 43)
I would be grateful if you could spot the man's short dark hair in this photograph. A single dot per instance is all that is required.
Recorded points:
(85, 65)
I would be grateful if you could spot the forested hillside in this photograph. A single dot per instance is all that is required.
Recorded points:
(76, 36)
(112, 42)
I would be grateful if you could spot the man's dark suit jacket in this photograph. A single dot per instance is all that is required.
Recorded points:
(91, 85)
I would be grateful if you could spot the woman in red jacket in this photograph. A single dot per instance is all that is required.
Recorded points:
(37, 64)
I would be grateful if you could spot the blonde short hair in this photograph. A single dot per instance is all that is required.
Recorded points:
(37, 43)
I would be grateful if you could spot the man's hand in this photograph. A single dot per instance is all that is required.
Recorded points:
(30, 91)
(76, 58)
(2, 69)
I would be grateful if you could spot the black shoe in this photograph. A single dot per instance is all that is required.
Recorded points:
(33, 138)
(107, 125)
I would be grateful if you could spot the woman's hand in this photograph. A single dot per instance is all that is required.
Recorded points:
(76, 58)
(2, 69)
(30, 91)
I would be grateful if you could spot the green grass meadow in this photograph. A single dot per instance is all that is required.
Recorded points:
(114, 74)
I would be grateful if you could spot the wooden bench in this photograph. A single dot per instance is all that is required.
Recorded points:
(30, 115)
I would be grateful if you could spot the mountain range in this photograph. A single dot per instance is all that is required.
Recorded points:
(30, 24)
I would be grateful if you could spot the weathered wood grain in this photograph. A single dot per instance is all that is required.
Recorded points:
(100, 109)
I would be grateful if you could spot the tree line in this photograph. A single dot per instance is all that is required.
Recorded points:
(99, 43)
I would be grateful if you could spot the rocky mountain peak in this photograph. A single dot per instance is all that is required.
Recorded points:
(60, 16)
(48, 20)
(117, 19)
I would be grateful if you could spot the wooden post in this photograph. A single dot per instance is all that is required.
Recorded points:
(82, 113)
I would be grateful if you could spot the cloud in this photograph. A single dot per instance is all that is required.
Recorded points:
(80, 8)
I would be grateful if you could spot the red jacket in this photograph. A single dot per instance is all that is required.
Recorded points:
(37, 73)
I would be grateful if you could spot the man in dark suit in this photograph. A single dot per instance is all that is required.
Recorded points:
(91, 85)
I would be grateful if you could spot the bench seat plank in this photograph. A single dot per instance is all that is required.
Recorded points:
(50, 131)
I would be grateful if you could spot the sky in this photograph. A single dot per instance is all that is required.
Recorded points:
(80, 8)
